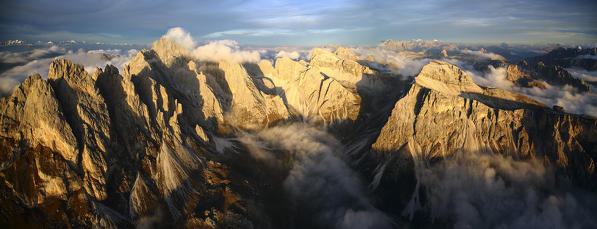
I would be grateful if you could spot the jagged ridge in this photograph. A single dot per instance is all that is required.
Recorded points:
(114, 148)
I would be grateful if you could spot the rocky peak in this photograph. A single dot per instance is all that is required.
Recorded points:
(521, 78)
(113, 149)
(288, 69)
(169, 51)
(266, 67)
(446, 78)
(32, 113)
(444, 53)
(73, 74)
(345, 53)
(321, 57)
(440, 118)
(568, 57)
(341, 69)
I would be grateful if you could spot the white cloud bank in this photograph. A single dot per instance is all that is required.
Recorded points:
(483, 55)
(588, 76)
(28, 55)
(565, 96)
(219, 50)
(90, 60)
(395, 61)
(290, 54)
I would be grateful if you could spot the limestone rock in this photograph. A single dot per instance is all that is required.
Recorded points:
(346, 54)
(439, 118)
(32, 113)
(208, 91)
(164, 141)
(311, 93)
(520, 78)
(341, 69)
(250, 108)
(87, 114)
(447, 79)
(201, 133)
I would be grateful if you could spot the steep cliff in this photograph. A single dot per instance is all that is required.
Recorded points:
(174, 141)
(444, 115)
(115, 150)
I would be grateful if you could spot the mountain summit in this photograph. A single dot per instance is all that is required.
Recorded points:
(177, 141)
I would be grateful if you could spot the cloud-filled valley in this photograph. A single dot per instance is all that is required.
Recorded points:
(484, 190)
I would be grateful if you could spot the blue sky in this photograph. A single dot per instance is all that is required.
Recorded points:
(351, 22)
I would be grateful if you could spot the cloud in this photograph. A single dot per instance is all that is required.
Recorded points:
(181, 37)
(254, 33)
(395, 61)
(292, 55)
(90, 60)
(219, 50)
(12, 57)
(594, 57)
(227, 50)
(565, 96)
(589, 76)
(109, 51)
(17, 57)
(319, 181)
(484, 55)
(479, 190)
(410, 64)
(516, 21)
(41, 52)
(7, 85)
(295, 53)
(495, 78)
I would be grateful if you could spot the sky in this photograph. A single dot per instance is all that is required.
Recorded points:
(302, 23)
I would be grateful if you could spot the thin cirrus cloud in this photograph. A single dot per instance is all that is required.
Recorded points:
(304, 23)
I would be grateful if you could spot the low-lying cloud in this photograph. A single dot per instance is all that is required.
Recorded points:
(291, 54)
(319, 178)
(594, 57)
(90, 60)
(393, 61)
(494, 77)
(479, 190)
(295, 53)
(483, 55)
(588, 76)
(565, 96)
(15, 57)
(220, 50)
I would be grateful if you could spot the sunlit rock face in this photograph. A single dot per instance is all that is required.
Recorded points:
(208, 90)
(176, 141)
(451, 113)
(117, 149)
(444, 115)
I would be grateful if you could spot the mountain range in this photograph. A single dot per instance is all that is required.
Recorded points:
(335, 141)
